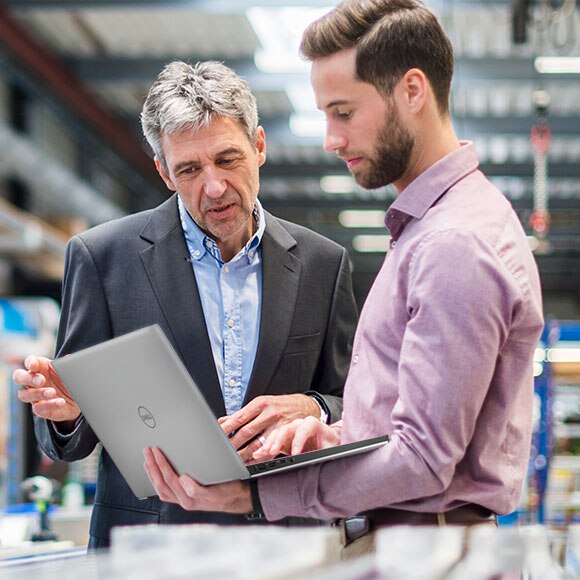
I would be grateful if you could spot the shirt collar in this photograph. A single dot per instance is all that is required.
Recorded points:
(427, 188)
(199, 243)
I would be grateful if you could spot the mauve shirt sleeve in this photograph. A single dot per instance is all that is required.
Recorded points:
(461, 302)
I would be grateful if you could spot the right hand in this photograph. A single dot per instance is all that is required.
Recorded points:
(43, 389)
(298, 436)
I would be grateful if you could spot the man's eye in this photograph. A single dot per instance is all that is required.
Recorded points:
(226, 162)
(343, 114)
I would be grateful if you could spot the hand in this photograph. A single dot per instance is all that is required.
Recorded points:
(261, 416)
(231, 497)
(44, 390)
(301, 435)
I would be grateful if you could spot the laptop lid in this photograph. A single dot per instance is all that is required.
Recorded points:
(135, 392)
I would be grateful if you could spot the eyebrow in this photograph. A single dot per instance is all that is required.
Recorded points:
(337, 103)
(193, 163)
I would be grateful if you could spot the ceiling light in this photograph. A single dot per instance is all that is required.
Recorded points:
(308, 125)
(362, 218)
(371, 243)
(279, 31)
(557, 64)
(337, 184)
(564, 355)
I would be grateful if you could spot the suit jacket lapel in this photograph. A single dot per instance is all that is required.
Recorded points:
(173, 283)
(281, 272)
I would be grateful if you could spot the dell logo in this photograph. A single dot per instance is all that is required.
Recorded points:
(147, 418)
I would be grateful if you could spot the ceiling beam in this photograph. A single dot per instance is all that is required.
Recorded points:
(230, 6)
(113, 68)
(216, 6)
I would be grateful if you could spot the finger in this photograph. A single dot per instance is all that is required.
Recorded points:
(25, 378)
(275, 444)
(306, 435)
(242, 417)
(156, 476)
(247, 453)
(171, 479)
(32, 363)
(33, 395)
(246, 434)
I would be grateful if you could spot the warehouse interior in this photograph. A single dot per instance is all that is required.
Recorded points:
(74, 74)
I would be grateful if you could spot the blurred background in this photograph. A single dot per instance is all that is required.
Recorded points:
(73, 76)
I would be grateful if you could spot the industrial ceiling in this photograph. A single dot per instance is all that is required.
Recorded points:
(92, 62)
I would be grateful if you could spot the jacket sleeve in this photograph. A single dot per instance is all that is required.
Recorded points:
(84, 322)
(335, 357)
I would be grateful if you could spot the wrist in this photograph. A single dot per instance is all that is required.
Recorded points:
(257, 512)
(322, 414)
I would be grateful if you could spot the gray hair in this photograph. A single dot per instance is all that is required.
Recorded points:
(188, 97)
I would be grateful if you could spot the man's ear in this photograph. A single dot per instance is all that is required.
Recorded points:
(164, 175)
(415, 89)
(261, 145)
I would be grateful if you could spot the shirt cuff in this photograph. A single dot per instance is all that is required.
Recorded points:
(324, 410)
(280, 496)
(66, 436)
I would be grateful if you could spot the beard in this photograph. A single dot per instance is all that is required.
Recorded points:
(390, 158)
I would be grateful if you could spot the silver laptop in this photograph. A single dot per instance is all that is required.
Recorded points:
(135, 392)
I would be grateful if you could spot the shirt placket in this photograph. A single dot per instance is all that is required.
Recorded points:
(232, 343)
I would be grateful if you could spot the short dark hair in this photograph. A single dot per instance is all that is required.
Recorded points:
(391, 37)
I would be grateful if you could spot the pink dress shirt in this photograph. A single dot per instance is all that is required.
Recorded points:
(442, 360)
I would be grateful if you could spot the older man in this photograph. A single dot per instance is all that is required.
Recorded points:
(260, 310)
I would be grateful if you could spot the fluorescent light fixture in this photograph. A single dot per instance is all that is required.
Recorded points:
(301, 97)
(538, 369)
(564, 354)
(267, 61)
(371, 243)
(557, 64)
(540, 355)
(279, 31)
(308, 125)
(337, 184)
(362, 218)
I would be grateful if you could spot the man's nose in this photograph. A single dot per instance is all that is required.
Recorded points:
(333, 141)
(214, 184)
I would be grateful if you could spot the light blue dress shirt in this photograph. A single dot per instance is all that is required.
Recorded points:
(231, 298)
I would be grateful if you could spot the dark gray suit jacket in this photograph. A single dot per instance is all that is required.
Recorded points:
(133, 272)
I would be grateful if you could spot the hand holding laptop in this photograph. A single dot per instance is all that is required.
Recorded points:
(44, 390)
(231, 497)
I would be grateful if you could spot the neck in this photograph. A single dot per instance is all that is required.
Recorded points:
(232, 245)
(431, 145)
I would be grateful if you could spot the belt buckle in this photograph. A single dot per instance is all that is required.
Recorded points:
(352, 528)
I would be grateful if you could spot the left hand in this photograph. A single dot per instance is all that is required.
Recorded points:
(261, 416)
(231, 497)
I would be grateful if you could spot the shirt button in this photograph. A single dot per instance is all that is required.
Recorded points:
(232, 383)
(252, 254)
(226, 269)
(393, 243)
(355, 359)
(207, 244)
(196, 253)
(230, 322)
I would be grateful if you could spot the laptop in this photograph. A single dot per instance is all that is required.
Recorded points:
(135, 392)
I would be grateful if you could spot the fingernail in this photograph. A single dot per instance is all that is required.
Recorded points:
(37, 381)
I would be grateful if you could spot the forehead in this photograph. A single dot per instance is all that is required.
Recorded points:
(222, 133)
(334, 78)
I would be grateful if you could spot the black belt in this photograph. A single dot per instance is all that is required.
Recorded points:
(356, 527)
